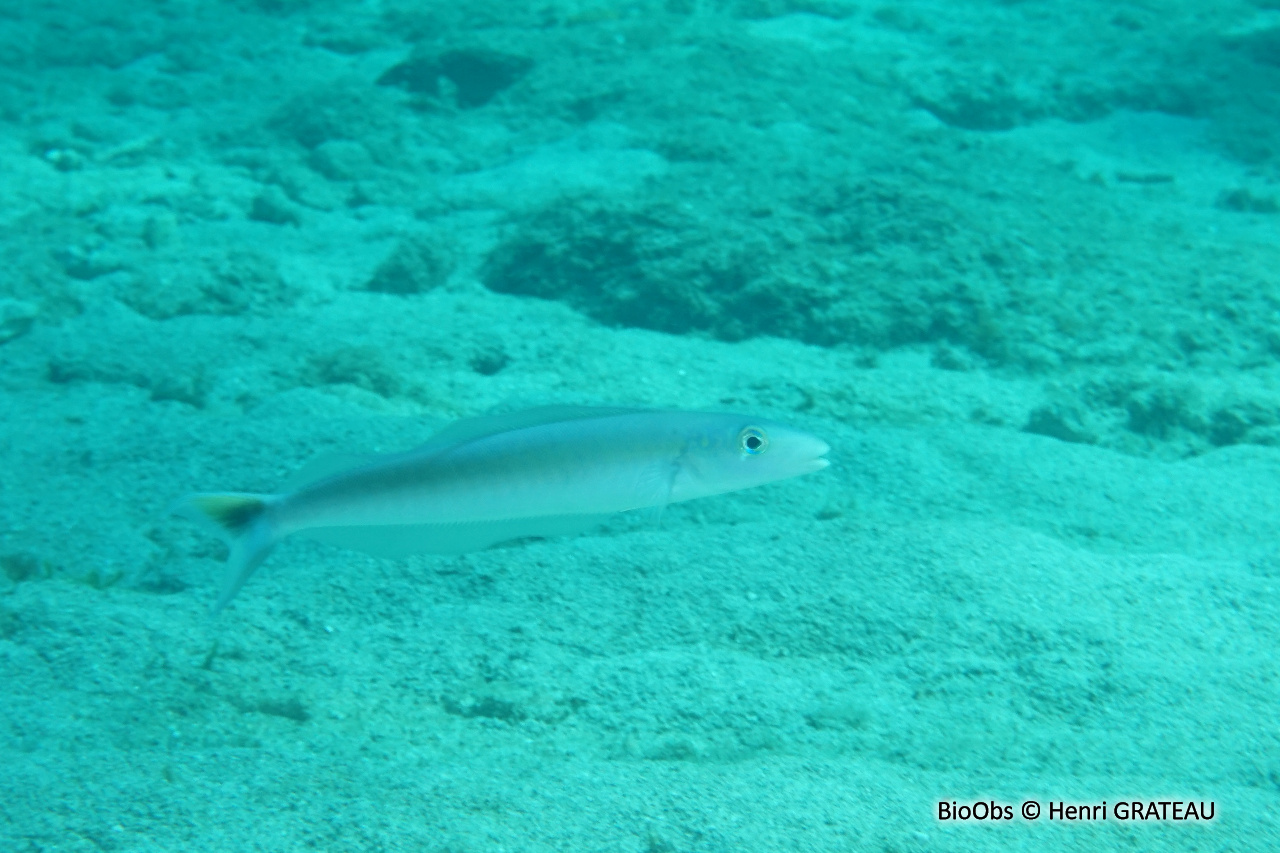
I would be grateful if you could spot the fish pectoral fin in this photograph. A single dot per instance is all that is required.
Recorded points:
(400, 540)
(653, 490)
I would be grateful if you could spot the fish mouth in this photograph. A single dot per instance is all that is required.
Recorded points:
(819, 449)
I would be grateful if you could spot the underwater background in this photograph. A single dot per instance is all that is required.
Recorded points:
(1017, 262)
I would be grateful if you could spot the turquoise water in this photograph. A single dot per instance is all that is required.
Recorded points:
(1015, 261)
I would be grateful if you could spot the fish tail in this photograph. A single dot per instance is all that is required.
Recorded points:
(244, 523)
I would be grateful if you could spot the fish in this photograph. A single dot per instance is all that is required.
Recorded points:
(544, 472)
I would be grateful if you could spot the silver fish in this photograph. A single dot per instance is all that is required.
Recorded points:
(543, 472)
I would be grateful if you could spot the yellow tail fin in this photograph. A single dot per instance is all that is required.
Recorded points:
(244, 522)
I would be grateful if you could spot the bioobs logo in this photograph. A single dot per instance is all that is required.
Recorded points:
(981, 810)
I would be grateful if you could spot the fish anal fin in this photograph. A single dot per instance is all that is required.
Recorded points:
(399, 540)
(653, 515)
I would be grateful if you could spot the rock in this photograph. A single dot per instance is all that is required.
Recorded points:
(415, 266)
(16, 318)
(478, 74)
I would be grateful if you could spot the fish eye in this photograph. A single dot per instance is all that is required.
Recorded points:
(753, 441)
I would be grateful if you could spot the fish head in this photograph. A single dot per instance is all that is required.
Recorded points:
(729, 452)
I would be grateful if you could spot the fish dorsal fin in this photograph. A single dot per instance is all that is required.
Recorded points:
(458, 432)
(326, 465)
(469, 429)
